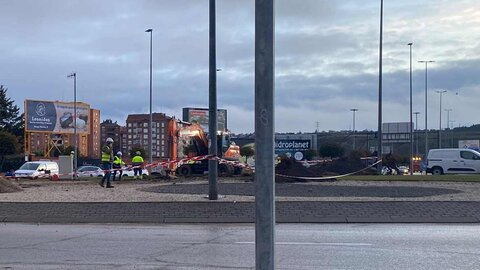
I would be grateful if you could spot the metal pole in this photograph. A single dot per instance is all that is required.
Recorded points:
(411, 113)
(380, 89)
(264, 134)
(440, 125)
(354, 137)
(416, 129)
(150, 155)
(212, 117)
(75, 144)
(448, 120)
(426, 107)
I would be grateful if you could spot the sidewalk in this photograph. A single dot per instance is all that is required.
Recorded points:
(240, 212)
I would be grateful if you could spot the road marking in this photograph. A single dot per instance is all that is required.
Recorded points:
(314, 243)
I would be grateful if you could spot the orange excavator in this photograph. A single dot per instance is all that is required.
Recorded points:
(189, 142)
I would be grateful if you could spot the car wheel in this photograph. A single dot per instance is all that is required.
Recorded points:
(437, 171)
(184, 170)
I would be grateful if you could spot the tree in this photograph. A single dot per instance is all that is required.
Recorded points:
(8, 145)
(247, 151)
(331, 150)
(310, 154)
(10, 118)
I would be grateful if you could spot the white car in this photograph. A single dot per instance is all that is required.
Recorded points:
(450, 161)
(130, 172)
(38, 169)
(90, 171)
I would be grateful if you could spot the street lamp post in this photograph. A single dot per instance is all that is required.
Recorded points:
(416, 128)
(75, 147)
(411, 112)
(150, 120)
(426, 108)
(441, 92)
(448, 121)
(354, 110)
(379, 154)
(212, 106)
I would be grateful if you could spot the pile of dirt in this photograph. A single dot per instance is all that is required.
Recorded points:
(8, 186)
(341, 166)
(290, 167)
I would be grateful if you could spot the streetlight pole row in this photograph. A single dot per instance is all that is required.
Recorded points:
(354, 110)
(150, 148)
(441, 92)
(426, 107)
(75, 148)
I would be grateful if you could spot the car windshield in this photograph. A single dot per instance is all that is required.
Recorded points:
(29, 166)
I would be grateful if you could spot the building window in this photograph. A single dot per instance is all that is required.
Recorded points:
(129, 136)
(163, 125)
(163, 136)
(145, 124)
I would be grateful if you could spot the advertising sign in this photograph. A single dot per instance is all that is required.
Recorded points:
(292, 148)
(200, 116)
(55, 117)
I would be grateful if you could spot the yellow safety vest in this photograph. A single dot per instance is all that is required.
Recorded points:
(106, 153)
(137, 159)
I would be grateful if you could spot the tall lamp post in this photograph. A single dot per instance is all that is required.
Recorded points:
(212, 105)
(426, 108)
(411, 112)
(441, 92)
(75, 147)
(416, 128)
(150, 148)
(379, 154)
(448, 121)
(354, 139)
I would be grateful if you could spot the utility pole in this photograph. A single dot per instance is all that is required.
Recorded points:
(264, 134)
(411, 111)
(448, 121)
(151, 95)
(416, 129)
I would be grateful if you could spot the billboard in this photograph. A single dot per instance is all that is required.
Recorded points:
(292, 148)
(200, 116)
(396, 132)
(55, 117)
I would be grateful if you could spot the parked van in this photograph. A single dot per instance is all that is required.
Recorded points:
(449, 161)
(38, 169)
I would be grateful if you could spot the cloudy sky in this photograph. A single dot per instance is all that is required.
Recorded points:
(326, 58)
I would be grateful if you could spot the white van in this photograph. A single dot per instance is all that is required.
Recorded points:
(449, 161)
(38, 169)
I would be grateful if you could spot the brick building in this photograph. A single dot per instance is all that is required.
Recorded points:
(110, 129)
(137, 134)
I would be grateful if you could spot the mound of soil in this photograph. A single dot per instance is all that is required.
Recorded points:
(290, 167)
(7, 186)
(341, 166)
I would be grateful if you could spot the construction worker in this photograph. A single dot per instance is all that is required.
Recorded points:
(117, 165)
(137, 163)
(107, 159)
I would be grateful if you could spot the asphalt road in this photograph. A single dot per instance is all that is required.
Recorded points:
(231, 246)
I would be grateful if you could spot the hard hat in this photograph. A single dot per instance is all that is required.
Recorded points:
(138, 153)
(109, 140)
(119, 153)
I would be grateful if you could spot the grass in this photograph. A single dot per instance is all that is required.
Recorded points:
(446, 178)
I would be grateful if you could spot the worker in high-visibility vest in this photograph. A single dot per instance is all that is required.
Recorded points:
(117, 165)
(107, 159)
(137, 163)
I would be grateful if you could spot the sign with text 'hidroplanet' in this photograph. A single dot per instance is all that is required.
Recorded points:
(56, 117)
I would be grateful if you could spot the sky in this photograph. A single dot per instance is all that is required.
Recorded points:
(326, 58)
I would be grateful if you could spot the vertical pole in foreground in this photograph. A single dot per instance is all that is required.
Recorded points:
(212, 108)
(264, 134)
(411, 112)
(380, 90)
